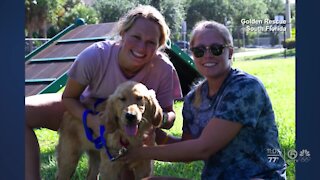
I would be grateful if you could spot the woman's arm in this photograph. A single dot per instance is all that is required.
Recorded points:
(164, 138)
(71, 100)
(215, 136)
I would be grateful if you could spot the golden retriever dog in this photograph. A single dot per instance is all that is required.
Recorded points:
(129, 114)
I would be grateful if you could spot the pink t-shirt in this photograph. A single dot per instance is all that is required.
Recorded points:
(98, 68)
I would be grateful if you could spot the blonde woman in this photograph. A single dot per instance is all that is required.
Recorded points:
(99, 69)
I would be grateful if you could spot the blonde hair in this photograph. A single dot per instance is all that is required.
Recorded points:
(147, 12)
(213, 25)
(227, 38)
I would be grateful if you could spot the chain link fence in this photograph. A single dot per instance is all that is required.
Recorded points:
(31, 44)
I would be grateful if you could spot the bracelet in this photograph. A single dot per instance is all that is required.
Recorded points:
(165, 139)
(164, 119)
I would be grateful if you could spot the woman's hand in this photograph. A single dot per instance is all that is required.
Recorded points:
(133, 155)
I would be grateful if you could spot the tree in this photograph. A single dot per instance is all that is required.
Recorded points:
(174, 13)
(274, 7)
(218, 10)
(246, 9)
(40, 13)
(228, 12)
(48, 17)
(79, 11)
(112, 10)
(293, 15)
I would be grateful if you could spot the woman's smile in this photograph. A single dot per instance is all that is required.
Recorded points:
(209, 64)
(136, 54)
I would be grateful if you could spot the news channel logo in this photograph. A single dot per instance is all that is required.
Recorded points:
(303, 155)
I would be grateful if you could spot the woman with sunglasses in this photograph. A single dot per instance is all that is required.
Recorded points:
(228, 120)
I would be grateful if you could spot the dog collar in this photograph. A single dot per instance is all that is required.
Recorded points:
(124, 143)
(121, 152)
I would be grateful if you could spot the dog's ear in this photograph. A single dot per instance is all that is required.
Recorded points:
(108, 117)
(153, 109)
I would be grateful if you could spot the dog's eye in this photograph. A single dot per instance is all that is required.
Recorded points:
(122, 98)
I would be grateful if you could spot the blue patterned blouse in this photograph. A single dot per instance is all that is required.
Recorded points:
(255, 151)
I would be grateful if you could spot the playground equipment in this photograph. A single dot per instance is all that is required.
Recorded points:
(46, 66)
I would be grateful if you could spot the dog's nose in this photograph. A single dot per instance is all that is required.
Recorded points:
(130, 116)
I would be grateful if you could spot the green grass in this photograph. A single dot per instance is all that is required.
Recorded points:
(278, 76)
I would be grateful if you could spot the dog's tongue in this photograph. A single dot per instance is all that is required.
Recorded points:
(131, 130)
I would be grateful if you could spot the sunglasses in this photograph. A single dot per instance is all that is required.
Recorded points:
(215, 49)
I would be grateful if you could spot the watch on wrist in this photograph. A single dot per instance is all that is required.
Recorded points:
(164, 118)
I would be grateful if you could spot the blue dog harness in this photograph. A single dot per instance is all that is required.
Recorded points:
(99, 142)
